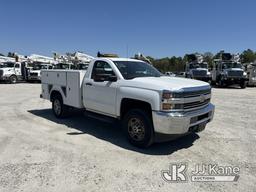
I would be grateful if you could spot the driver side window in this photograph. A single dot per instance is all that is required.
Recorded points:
(102, 68)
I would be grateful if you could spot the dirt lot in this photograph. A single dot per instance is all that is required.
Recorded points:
(41, 153)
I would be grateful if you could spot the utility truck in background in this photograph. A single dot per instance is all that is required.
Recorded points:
(228, 71)
(152, 107)
(13, 71)
(196, 68)
(35, 71)
(251, 73)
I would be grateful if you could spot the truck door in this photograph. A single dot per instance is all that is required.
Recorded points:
(17, 69)
(100, 93)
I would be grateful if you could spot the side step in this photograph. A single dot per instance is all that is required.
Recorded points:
(100, 117)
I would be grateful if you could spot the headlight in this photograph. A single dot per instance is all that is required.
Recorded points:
(166, 94)
(208, 73)
(244, 73)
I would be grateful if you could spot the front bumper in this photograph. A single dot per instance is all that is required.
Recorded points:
(4, 78)
(205, 78)
(34, 78)
(180, 123)
(234, 80)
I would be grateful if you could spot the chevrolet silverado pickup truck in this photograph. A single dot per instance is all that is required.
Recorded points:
(151, 106)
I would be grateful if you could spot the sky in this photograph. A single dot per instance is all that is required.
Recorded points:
(159, 28)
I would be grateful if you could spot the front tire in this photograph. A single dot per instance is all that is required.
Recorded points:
(13, 79)
(138, 128)
(243, 84)
(59, 109)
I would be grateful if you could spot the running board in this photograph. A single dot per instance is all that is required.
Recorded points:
(99, 117)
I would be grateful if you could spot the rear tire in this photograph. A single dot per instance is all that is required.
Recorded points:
(243, 84)
(138, 128)
(59, 109)
(13, 79)
(221, 83)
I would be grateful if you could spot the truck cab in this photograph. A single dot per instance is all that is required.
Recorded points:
(197, 69)
(152, 107)
(227, 71)
(11, 72)
(35, 71)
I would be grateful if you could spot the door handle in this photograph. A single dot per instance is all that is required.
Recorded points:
(88, 84)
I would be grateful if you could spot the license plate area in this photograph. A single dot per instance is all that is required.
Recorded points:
(200, 117)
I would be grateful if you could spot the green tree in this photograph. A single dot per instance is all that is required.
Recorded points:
(248, 56)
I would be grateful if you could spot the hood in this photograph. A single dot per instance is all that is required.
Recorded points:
(6, 69)
(166, 83)
(234, 69)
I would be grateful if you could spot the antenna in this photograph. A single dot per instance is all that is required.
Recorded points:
(126, 50)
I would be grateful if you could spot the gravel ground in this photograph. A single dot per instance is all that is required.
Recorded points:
(41, 153)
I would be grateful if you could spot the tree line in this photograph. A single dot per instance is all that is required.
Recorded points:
(177, 64)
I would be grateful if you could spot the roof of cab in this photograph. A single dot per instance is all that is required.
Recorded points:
(120, 59)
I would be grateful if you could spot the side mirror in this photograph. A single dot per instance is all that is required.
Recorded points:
(105, 77)
(112, 78)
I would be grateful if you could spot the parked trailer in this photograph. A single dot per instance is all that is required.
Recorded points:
(150, 106)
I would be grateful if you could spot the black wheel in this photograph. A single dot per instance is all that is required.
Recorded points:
(59, 109)
(13, 79)
(138, 128)
(243, 84)
(220, 83)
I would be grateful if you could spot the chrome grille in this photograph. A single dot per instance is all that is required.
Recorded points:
(192, 105)
(235, 73)
(188, 94)
(33, 74)
(199, 73)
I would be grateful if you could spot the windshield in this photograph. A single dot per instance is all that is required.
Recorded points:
(133, 69)
(198, 65)
(8, 65)
(231, 65)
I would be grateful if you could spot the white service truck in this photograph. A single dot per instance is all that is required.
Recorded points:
(34, 73)
(151, 106)
(13, 71)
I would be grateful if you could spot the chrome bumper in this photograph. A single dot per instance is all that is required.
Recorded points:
(175, 123)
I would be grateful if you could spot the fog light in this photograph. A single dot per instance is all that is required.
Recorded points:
(167, 106)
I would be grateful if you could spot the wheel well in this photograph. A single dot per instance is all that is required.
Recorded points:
(55, 94)
(13, 75)
(128, 104)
